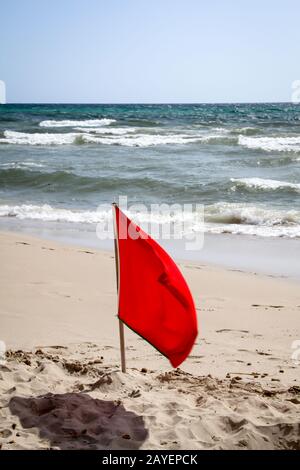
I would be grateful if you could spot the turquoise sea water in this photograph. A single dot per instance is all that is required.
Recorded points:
(242, 161)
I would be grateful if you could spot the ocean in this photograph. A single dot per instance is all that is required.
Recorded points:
(58, 163)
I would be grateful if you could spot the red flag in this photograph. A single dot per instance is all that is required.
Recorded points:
(154, 299)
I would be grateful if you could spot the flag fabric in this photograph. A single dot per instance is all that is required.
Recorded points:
(154, 298)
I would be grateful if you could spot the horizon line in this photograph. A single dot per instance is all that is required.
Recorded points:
(145, 103)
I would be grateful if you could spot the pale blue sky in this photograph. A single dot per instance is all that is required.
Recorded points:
(149, 50)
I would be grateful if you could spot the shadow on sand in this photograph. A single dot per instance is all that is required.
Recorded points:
(78, 421)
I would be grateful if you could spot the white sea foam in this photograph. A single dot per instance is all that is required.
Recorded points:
(269, 144)
(148, 140)
(22, 138)
(107, 136)
(74, 123)
(141, 140)
(50, 214)
(21, 165)
(263, 184)
(219, 218)
(254, 230)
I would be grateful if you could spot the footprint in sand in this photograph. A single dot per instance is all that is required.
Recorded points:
(205, 309)
(262, 353)
(226, 330)
(199, 266)
(267, 306)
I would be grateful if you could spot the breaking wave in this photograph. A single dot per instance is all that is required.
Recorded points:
(246, 131)
(246, 214)
(109, 136)
(263, 184)
(21, 165)
(48, 213)
(22, 138)
(143, 140)
(247, 219)
(221, 217)
(269, 144)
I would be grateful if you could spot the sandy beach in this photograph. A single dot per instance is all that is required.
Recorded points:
(60, 381)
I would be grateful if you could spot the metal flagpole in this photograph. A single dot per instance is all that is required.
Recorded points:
(117, 260)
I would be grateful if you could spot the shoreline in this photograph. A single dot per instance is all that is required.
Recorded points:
(270, 256)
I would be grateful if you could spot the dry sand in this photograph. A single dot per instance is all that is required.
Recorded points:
(60, 384)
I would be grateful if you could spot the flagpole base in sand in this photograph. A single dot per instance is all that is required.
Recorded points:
(122, 346)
